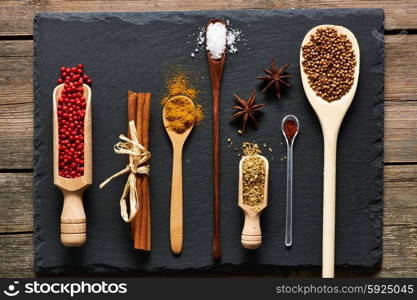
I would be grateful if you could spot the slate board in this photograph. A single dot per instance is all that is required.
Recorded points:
(123, 51)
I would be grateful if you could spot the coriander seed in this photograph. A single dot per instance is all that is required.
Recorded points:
(329, 63)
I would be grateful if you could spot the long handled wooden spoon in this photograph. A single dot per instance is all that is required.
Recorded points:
(216, 72)
(251, 234)
(176, 216)
(73, 220)
(330, 115)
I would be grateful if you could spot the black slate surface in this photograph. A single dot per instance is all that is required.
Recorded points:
(123, 51)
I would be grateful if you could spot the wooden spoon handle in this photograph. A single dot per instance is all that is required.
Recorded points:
(329, 205)
(251, 233)
(176, 219)
(73, 221)
(216, 174)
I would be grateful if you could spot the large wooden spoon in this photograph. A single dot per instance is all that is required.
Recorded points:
(73, 220)
(330, 115)
(176, 216)
(216, 72)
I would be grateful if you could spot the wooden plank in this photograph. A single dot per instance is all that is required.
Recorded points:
(400, 131)
(16, 252)
(399, 240)
(16, 134)
(16, 16)
(400, 67)
(10, 48)
(16, 202)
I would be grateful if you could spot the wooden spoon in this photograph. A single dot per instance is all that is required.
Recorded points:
(216, 72)
(176, 218)
(73, 220)
(330, 115)
(251, 233)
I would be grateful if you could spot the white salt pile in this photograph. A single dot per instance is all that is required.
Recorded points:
(233, 38)
(216, 39)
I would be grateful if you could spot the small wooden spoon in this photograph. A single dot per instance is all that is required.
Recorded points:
(216, 72)
(176, 218)
(251, 233)
(330, 115)
(73, 220)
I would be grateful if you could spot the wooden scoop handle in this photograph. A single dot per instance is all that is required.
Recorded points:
(73, 221)
(251, 233)
(176, 217)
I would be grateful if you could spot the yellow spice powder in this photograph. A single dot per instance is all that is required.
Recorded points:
(180, 113)
(179, 85)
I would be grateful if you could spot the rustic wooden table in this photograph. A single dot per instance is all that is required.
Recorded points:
(16, 122)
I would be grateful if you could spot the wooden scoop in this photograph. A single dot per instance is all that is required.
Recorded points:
(251, 233)
(73, 220)
(330, 115)
(176, 218)
(216, 72)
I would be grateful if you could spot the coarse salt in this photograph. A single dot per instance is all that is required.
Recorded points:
(216, 39)
(234, 37)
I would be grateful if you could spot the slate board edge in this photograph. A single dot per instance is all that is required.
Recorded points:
(37, 141)
(376, 204)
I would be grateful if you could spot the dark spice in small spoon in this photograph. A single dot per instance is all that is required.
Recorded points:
(290, 129)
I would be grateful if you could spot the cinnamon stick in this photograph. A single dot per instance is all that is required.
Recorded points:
(131, 116)
(145, 220)
(139, 111)
(136, 220)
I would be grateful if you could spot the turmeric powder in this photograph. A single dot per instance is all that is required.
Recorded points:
(180, 111)
(179, 85)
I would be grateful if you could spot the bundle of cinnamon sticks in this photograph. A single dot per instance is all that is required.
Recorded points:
(139, 105)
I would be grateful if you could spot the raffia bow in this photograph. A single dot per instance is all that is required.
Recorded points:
(138, 158)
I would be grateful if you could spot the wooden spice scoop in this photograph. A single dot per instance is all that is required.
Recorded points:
(330, 115)
(73, 220)
(176, 216)
(251, 233)
(216, 72)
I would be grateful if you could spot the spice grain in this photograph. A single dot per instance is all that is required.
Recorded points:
(329, 63)
(253, 182)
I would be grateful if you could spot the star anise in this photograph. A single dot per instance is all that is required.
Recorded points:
(246, 109)
(275, 78)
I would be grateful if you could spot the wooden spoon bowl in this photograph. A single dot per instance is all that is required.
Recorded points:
(73, 220)
(330, 115)
(176, 215)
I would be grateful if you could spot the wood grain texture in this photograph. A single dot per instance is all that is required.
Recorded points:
(400, 131)
(399, 242)
(400, 67)
(16, 16)
(9, 48)
(16, 102)
(16, 213)
(16, 252)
